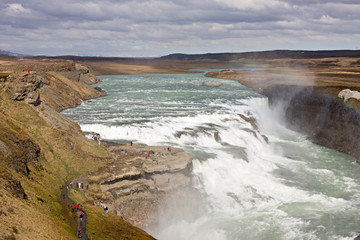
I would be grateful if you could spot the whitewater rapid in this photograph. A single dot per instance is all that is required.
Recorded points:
(256, 178)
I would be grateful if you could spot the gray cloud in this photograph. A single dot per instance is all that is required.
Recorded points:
(157, 27)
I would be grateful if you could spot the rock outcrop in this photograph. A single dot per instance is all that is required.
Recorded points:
(24, 86)
(133, 185)
(325, 119)
(60, 89)
(347, 94)
(69, 87)
(212, 84)
(79, 73)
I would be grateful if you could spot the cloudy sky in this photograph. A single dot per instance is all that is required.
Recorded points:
(152, 28)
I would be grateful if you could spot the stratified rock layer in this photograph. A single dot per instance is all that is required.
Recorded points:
(137, 184)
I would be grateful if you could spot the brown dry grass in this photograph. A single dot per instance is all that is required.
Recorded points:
(97, 179)
(111, 226)
(327, 73)
(65, 153)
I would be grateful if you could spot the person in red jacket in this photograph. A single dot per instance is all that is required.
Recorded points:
(72, 208)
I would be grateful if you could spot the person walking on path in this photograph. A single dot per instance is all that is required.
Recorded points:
(78, 217)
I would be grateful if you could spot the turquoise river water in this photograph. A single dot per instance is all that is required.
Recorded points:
(251, 188)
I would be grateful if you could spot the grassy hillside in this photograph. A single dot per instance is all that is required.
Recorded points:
(40, 150)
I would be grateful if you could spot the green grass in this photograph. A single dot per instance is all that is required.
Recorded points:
(65, 153)
(110, 226)
(4, 74)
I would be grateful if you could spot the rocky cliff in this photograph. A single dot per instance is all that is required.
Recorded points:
(134, 185)
(324, 118)
(310, 98)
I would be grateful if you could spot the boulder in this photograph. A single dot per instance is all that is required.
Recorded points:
(25, 87)
(212, 84)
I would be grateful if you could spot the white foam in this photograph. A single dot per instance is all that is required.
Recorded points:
(240, 190)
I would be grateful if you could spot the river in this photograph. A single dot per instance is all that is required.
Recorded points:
(257, 179)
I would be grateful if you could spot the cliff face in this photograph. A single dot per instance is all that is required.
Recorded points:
(60, 88)
(310, 99)
(69, 87)
(327, 120)
(134, 186)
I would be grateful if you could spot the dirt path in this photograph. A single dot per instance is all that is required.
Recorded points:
(75, 218)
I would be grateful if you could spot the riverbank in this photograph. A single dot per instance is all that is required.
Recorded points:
(309, 94)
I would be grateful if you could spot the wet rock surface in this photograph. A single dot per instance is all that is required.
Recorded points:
(212, 84)
(325, 119)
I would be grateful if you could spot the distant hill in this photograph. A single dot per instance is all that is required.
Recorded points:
(85, 58)
(265, 55)
(3, 52)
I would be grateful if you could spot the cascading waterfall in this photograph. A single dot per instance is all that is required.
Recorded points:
(256, 178)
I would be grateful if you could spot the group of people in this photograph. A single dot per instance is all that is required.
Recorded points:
(147, 155)
(27, 70)
(75, 208)
(78, 185)
(96, 137)
(79, 233)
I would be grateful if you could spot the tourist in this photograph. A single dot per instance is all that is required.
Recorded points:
(81, 217)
